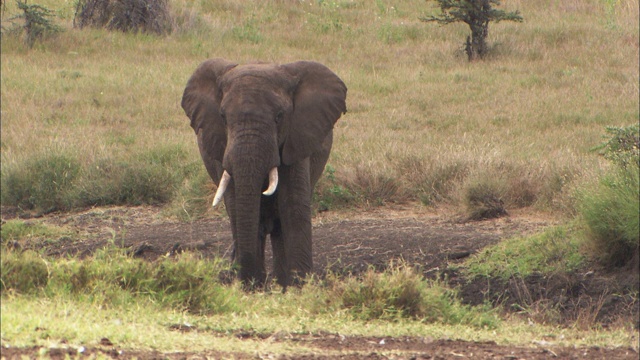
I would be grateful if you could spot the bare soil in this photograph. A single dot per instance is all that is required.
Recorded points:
(351, 242)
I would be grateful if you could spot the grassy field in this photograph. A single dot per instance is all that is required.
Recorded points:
(423, 123)
(91, 117)
(139, 305)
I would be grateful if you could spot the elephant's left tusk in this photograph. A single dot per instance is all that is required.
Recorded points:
(273, 182)
(222, 187)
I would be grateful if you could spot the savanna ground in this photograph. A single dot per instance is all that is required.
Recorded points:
(350, 242)
(97, 154)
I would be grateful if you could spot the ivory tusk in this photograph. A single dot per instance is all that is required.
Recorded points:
(273, 182)
(222, 187)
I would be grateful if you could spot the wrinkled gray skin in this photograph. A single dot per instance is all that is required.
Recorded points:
(249, 119)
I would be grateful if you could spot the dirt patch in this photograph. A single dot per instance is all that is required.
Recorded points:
(336, 346)
(351, 242)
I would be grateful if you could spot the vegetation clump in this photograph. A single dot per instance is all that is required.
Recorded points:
(37, 22)
(124, 15)
(610, 207)
(483, 201)
(400, 292)
(113, 277)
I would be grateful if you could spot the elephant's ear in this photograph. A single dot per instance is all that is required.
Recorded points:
(201, 102)
(318, 102)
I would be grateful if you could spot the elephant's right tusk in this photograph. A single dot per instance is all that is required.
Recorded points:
(222, 187)
(273, 182)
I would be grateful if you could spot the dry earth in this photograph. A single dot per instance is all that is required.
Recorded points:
(350, 242)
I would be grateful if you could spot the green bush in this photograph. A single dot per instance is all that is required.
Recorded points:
(610, 208)
(623, 147)
(37, 24)
(126, 183)
(330, 193)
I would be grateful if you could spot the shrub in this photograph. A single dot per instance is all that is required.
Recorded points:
(329, 192)
(556, 249)
(623, 147)
(124, 15)
(610, 208)
(37, 23)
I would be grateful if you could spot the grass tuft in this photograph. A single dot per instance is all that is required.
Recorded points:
(610, 211)
(611, 206)
(23, 272)
(41, 182)
(483, 200)
(400, 292)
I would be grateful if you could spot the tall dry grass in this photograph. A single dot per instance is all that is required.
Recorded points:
(423, 123)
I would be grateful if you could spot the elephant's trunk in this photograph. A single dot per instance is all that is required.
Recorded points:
(248, 165)
(249, 252)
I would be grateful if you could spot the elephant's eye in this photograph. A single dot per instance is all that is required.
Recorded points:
(279, 116)
(223, 116)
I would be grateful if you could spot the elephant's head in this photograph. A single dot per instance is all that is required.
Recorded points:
(250, 119)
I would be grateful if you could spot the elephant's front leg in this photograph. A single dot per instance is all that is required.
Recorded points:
(294, 205)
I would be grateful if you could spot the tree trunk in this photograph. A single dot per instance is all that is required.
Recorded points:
(476, 47)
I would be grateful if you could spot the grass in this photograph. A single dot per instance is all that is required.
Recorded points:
(610, 207)
(13, 230)
(555, 250)
(82, 324)
(423, 123)
(130, 302)
(400, 292)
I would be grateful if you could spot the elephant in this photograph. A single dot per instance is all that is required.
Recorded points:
(265, 133)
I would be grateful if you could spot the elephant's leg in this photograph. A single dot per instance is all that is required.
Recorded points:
(279, 255)
(262, 236)
(229, 203)
(294, 204)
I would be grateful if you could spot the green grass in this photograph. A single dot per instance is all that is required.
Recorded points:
(556, 250)
(112, 278)
(610, 211)
(136, 304)
(13, 230)
(422, 122)
(131, 328)
(400, 292)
